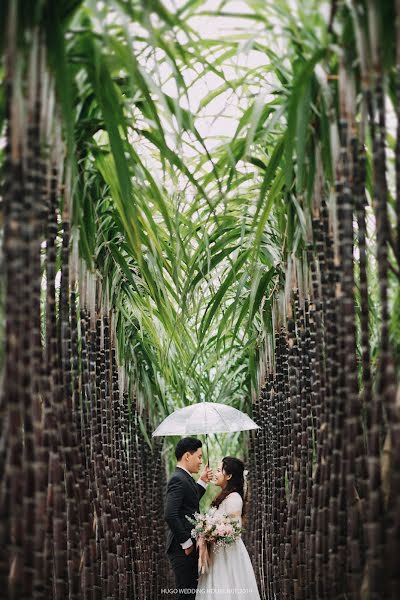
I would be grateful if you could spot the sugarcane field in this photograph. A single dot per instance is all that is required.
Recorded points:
(200, 300)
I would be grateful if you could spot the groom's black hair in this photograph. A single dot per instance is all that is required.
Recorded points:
(187, 444)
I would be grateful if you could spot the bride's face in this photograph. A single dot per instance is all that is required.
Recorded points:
(221, 478)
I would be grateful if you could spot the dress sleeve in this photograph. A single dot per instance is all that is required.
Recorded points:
(234, 504)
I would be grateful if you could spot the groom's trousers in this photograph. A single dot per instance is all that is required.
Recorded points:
(186, 571)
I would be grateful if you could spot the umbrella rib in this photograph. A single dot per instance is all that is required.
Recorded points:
(221, 417)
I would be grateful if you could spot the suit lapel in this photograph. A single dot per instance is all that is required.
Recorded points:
(194, 484)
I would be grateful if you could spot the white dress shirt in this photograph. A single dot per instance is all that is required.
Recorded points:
(189, 542)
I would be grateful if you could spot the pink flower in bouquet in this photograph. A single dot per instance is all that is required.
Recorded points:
(220, 529)
(228, 529)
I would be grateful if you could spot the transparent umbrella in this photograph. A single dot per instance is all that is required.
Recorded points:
(205, 418)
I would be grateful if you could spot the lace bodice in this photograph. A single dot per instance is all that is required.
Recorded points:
(232, 505)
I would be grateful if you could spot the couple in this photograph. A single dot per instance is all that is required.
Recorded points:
(230, 575)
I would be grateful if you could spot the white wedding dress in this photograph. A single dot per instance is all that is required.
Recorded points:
(230, 575)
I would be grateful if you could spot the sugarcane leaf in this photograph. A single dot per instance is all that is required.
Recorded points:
(217, 299)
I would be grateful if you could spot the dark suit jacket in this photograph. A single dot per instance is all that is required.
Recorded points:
(183, 496)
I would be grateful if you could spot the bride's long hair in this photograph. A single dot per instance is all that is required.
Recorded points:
(235, 467)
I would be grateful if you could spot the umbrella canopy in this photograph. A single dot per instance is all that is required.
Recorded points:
(205, 417)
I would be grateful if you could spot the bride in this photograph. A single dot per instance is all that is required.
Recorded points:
(230, 574)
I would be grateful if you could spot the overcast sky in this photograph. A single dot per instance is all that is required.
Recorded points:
(221, 115)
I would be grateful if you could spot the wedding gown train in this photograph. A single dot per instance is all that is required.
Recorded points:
(230, 575)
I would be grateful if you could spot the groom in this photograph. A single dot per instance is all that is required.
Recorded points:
(183, 496)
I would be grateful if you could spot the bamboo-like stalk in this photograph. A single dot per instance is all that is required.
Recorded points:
(80, 501)
(67, 493)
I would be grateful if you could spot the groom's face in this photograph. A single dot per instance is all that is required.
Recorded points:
(193, 462)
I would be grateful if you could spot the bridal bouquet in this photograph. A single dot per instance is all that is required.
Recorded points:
(220, 529)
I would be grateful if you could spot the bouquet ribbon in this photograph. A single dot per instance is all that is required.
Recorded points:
(204, 555)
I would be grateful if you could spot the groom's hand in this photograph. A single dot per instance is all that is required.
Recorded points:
(206, 475)
(189, 550)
